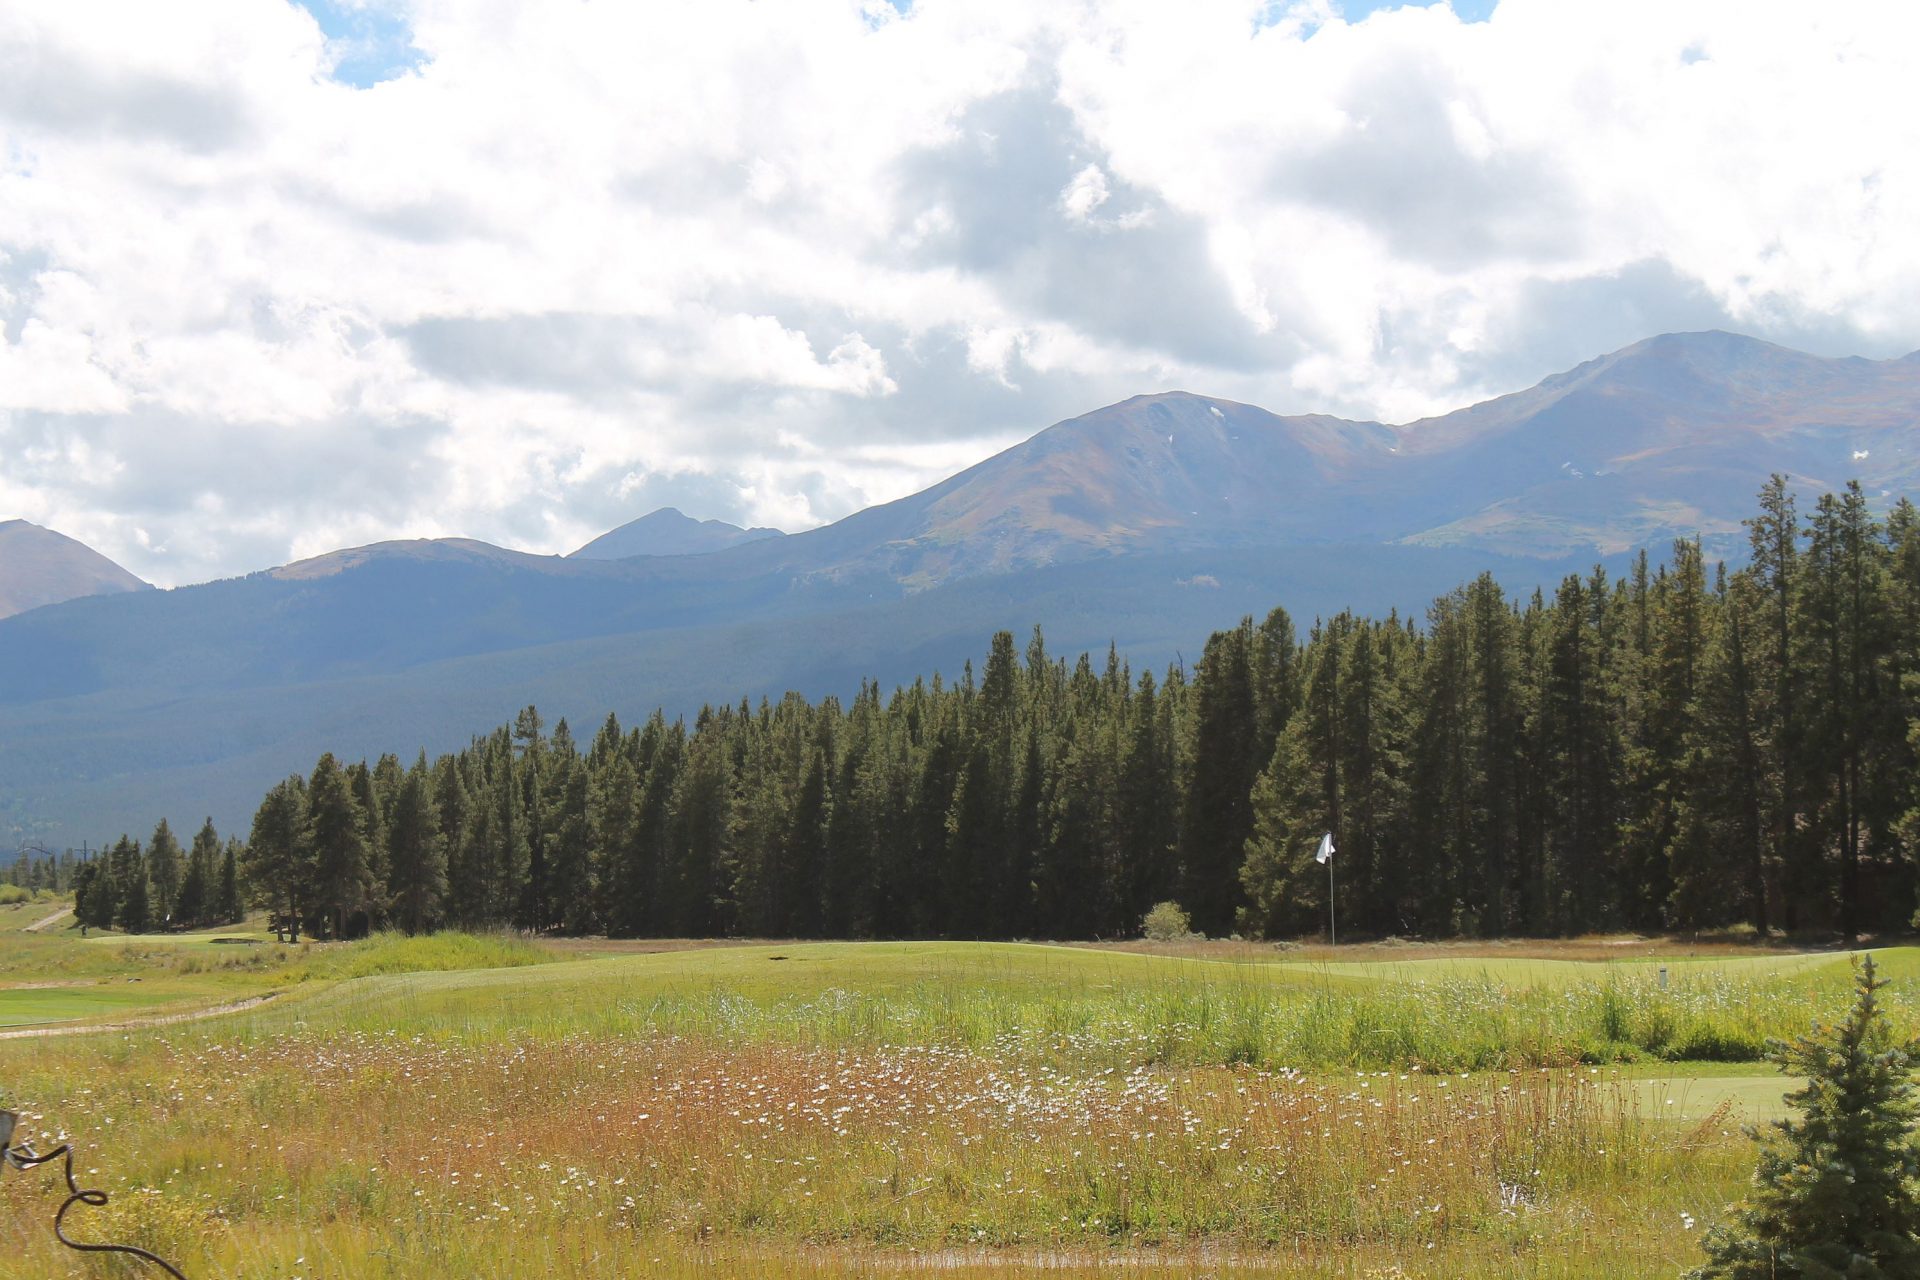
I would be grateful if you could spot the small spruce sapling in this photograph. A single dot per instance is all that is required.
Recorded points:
(1834, 1195)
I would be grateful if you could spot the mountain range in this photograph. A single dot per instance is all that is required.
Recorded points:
(1145, 524)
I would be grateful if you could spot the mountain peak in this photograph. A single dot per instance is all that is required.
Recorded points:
(395, 550)
(39, 566)
(669, 532)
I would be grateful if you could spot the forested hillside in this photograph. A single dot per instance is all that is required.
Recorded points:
(1682, 748)
(1149, 523)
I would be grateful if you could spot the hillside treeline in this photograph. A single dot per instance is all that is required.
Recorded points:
(1682, 748)
(39, 869)
(161, 885)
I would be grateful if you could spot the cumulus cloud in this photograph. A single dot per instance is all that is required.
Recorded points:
(276, 278)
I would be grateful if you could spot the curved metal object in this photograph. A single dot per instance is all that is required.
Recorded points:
(26, 1158)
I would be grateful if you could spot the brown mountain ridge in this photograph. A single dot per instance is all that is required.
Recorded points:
(40, 567)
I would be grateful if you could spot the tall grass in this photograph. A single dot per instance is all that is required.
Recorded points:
(448, 1106)
(380, 1144)
(1234, 1018)
(391, 953)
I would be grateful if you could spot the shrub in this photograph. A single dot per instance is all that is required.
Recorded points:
(1709, 1043)
(1167, 922)
(12, 895)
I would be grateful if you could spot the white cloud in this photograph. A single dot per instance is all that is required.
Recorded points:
(772, 262)
(1087, 192)
(54, 370)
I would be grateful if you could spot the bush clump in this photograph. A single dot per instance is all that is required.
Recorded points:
(1167, 922)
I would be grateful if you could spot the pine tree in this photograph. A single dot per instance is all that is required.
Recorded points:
(1580, 759)
(700, 899)
(663, 753)
(135, 910)
(1903, 577)
(93, 900)
(1776, 570)
(277, 868)
(1719, 837)
(535, 909)
(1290, 811)
(1836, 1195)
(374, 812)
(164, 869)
(806, 839)
(417, 861)
(504, 856)
(195, 904)
(849, 878)
(570, 842)
(612, 833)
(1373, 741)
(1218, 816)
(342, 880)
(1148, 870)
(1662, 690)
(227, 904)
(451, 786)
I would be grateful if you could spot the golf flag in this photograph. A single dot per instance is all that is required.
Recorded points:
(1326, 849)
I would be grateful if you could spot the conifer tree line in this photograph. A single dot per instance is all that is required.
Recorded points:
(1684, 747)
(43, 870)
(162, 885)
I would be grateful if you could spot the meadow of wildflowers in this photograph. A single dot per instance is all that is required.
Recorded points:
(948, 1109)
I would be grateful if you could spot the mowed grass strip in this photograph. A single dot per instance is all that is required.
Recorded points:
(213, 938)
(40, 1006)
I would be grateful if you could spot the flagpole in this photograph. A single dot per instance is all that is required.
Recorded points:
(1332, 939)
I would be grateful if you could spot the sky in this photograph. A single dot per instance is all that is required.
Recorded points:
(277, 278)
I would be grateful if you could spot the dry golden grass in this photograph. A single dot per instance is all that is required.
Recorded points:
(831, 1110)
(353, 1146)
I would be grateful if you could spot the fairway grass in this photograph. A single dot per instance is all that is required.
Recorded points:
(485, 1106)
(215, 938)
(99, 1001)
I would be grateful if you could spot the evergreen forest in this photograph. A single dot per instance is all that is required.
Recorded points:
(1686, 747)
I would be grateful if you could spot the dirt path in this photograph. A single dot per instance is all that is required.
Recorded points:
(50, 921)
(137, 1024)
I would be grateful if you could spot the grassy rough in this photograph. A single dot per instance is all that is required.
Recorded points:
(451, 1106)
(60, 978)
(1098, 1009)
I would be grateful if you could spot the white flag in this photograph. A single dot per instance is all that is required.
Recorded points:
(1326, 849)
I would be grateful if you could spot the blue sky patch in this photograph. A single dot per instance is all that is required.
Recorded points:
(1469, 10)
(371, 41)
